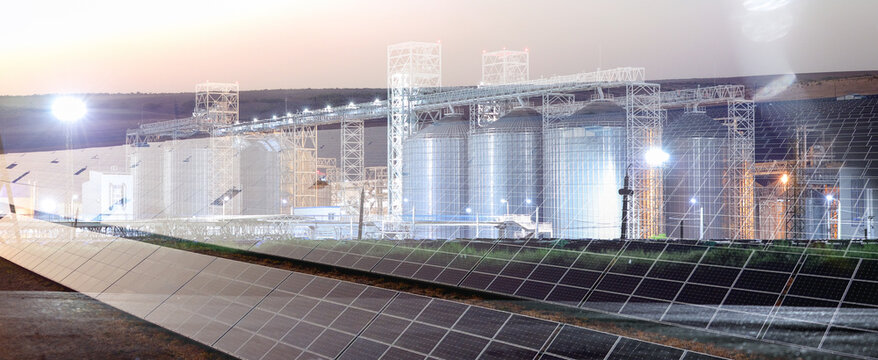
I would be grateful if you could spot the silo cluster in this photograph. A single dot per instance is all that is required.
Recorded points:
(518, 171)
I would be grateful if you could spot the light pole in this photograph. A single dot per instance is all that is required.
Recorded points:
(469, 211)
(69, 110)
(536, 218)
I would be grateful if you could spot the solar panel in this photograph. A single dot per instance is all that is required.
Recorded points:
(700, 285)
(257, 312)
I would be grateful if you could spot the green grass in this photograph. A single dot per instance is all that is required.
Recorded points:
(598, 255)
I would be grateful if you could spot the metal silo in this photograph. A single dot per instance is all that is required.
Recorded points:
(584, 161)
(505, 171)
(147, 165)
(261, 176)
(434, 177)
(694, 192)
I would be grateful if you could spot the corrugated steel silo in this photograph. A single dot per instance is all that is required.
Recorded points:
(435, 176)
(261, 176)
(694, 191)
(505, 167)
(584, 161)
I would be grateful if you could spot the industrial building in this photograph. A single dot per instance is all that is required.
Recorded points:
(595, 191)
(510, 158)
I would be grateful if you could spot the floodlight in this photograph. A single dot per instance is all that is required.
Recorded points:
(693, 200)
(68, 109)
(784, 178)
(469, 210)
(829, 197)
(656, 157)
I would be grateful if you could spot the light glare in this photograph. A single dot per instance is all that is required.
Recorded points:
(68, 109)
(656, 157)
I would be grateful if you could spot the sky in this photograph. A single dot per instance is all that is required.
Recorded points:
(111, 46)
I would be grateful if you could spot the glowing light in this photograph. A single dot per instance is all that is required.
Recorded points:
(255, 119)
(528, 201)
(226, 198)
(47, 205)
(656, 157)
(289, 114)
(469, 210)
(68, 109)
(784, 178)
(273, 117)
(405, 200)
(503, 201)
(693, 200)
(829, 197)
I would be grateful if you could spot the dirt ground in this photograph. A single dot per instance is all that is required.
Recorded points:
(40, 319)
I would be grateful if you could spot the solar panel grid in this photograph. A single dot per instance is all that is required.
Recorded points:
(674, 280)
(253, 311)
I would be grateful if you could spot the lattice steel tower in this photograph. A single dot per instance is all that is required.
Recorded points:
(505, 67)
(216, 106)
(412, 68)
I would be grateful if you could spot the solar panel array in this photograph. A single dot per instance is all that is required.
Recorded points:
(256, 312)
(741, 289)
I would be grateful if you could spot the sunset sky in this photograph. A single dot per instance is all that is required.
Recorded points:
(169, 46)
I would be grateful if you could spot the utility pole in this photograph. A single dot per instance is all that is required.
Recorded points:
(360, 225)
(626, 193)
(681, 229)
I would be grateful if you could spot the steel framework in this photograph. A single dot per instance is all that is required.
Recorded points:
(414, 74)
(741, 170)
(556, 107)
(412, 69)
(352, 150)
(504, 67)
(216, 103)
(305, 145)
(644, 130)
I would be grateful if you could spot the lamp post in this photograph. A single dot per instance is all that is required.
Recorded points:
(536, 218)
(469, 211)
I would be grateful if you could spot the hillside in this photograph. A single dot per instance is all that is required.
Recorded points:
(26, 123)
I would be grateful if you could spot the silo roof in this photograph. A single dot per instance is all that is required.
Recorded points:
(449, 126)
(519, 119)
